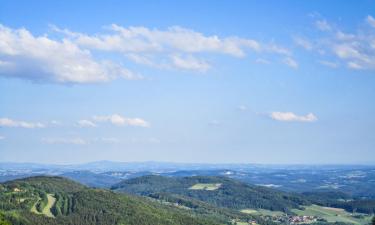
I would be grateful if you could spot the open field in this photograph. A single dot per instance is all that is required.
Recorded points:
(51, 202)
(47, 209)
(207, 187)
(33, 208)
(262, 212)
(333, 214)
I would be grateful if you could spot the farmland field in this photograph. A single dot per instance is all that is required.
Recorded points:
(333, 214)
(207, 187)
(262, 212)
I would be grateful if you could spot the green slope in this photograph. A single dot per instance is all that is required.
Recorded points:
(79, 205)
(227, 193)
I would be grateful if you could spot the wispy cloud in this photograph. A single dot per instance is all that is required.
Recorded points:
(356, 49)
(190, 63)
(73, 141)
(86, 123)
(291, 117)
(370, 20)
(175, 47)
(6, 122)
(242, 107)
(121, 121)
(306, 44)
(98, 140)
(328, 63)
(2, 138)
(262, 61)
(323, 25)
(290, 62)
(71, 56)
(214, 123)
(55, 123)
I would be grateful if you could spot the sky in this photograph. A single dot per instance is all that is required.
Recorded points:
(273, 82)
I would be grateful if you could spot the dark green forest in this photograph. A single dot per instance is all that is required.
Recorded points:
(79, 205)
(153, 200)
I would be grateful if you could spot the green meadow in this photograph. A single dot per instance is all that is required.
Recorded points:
(334, 214)
(207, 187)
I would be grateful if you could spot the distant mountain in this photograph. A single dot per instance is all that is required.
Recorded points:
(92, 179)
(355, 180)
(56, 200)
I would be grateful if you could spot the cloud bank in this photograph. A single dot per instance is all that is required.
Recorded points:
(6, 122)
(73, 57)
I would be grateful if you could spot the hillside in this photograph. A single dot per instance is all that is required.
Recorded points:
(92, 179)
(218, 191)
(55, 200)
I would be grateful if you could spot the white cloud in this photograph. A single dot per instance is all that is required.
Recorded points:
(2, 138)
(142, 39)
(370, 20)
(290, 62)
(6, 122)
(153, 47)
(110, 140)
(74, 141)
(355, 65)
(242, 107)
(357, 54)
(71, 57)
(328, 63)
(356, 49)
(121, 121)
(273, 48)
(323, 25)
(262, 61)
(291, 117)
(40, 58)
(190, 63)
(56, 123)
(303, 43)
(86, 123)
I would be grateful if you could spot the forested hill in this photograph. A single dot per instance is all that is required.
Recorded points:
(218, 191)
(55, 200)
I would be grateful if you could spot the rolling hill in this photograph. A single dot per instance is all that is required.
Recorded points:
(218, 191)
(56, 200)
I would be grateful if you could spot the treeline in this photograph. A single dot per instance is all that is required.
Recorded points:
(341, 200)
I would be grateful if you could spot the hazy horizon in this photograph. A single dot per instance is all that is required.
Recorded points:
(270, 82)
(370, 164)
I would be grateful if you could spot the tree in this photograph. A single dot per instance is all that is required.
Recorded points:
(373, 220)
(3, 221)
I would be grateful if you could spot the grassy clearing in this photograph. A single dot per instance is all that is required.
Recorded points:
(47, 209)
(207, 187)
(264, 212)
(333, 214)
(51, 202)
(250, 211)
(33, 208)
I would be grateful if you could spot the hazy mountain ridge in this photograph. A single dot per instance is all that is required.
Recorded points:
(356, 180)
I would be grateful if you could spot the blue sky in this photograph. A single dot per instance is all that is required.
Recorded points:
(193, 81)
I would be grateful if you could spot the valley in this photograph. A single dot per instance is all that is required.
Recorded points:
(215, 196)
